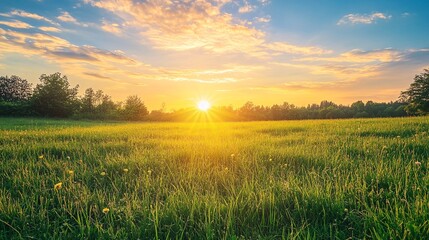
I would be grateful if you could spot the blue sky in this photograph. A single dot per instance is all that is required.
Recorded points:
(226, 51)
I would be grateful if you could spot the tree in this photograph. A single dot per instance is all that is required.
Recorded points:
(14, 89)
(134, 109)
(417, 95)
(53, 97)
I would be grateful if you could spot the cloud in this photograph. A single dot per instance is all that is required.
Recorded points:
(16, 24)
(263, 19)
(66, 17)
(50, 29)
(363, 18)
(113, 28)
(25, 14)
(246, 8)
(293, 49)
(194, 24)
(360, 56)
(96, 75)
(89, 61)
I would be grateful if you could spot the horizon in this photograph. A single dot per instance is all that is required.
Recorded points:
(224, 51)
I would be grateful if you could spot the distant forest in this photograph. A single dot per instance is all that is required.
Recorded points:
(54, 97)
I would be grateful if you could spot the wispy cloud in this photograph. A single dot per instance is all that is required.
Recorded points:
(16, 24)
(25, 14)
(246, 8)
(66, 17)
(89, 61)
(263, 19)
(359, 56)
(49, 29)
(195, 24)
(113, 28)
(355, 18)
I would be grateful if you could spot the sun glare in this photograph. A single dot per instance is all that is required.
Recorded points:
(203, 105)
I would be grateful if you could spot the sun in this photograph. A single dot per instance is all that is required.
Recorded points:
(203, 105)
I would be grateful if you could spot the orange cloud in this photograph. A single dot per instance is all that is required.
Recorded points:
(50, 29)
(16, 24)
(360, 56)
(25, 14)
(197, 24)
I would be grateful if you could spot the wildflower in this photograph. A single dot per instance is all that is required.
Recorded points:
(270, 160)
(41, 157)
(68, 157)
(149, 172)
(106, 210)
(125, 170)
(80, 161)
(70, 172)
(418, 163)
(58, 186)
(103, 173)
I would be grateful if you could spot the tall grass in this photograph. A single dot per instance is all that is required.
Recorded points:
(259, 180)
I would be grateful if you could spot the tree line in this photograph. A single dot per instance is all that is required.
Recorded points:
(54, 97)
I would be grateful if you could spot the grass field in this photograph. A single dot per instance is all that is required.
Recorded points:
(259, 180)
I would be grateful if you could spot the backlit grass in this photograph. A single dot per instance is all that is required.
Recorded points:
(271, 180)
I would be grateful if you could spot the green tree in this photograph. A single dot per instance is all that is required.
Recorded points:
(417, 95)
(14, 89)
(53, 97)
(134, 109)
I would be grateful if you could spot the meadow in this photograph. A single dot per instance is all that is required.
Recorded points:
(320, 179)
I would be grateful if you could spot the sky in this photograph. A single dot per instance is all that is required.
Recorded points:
(174, 53)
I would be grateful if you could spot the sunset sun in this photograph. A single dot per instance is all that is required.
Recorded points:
(203, 105)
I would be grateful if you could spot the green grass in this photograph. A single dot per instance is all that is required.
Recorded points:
(258, 180)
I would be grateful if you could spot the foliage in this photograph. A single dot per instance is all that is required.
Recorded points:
(134, 109)
(53, 97)
(14, 89)
(417, 95)
(97, 105)
(341, 179)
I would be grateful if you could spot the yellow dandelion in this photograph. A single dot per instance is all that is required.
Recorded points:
(418, 163)
(81, 161)
(106, 210)
(103, 173)
(70, 172)
(232, 155)
(41, 157)
(58, 186)
(149, 172)
(125, 170)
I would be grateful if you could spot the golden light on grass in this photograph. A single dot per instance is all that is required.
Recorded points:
(58, 186)
(204, 105)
